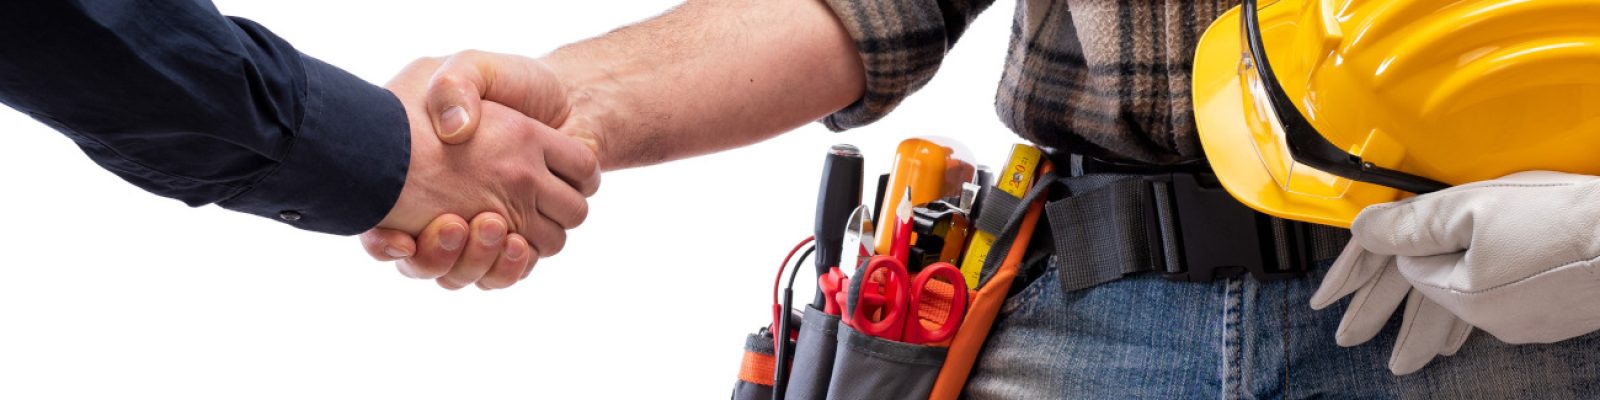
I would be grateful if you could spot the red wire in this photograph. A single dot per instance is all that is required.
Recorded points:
(779, 279)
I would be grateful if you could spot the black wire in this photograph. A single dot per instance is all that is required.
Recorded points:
(780, 372)
(796, 269)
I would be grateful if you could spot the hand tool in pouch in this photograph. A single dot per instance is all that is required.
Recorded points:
(924, 166)
(1015, 179)
(857, 239)
(900, 241)
(838, 196)
(941, 232)
(857, 248)
(895, 306)
(890, 301)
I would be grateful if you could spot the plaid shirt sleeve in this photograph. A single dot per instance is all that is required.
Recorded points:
(902, 43)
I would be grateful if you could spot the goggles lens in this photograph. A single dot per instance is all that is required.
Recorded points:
(1300, 159)
(1267, 130)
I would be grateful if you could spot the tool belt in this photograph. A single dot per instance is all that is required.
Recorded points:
(1098, 222)
(1108, 220)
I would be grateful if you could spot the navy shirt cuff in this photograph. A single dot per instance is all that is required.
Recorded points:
(343, 169)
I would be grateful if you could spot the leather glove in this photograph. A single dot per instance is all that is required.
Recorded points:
(1513, 256)
(1426, 329)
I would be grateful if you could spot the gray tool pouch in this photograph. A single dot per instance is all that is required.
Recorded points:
(813, 356)
(868, 367)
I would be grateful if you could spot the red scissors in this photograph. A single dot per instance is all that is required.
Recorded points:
(890, 303)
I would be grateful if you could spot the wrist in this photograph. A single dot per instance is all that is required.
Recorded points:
(407, 214)
(596, 103)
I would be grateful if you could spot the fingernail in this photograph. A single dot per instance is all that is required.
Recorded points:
(452, 236)
(452, 120)
(396, 252)
(516, 252)
(492, 232)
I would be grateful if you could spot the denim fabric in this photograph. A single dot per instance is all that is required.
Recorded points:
(1152, 338)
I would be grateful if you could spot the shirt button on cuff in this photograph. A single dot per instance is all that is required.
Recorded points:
(290, 215)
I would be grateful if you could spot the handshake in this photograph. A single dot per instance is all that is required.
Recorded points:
(493, 137)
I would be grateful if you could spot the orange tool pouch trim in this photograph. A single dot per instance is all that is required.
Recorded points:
(757, 368)
(986, 301)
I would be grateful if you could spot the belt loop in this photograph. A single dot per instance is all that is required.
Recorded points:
(1165, 240)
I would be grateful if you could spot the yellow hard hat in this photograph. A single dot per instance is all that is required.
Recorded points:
(1314, 109)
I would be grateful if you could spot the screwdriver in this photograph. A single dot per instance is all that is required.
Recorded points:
(839, 194)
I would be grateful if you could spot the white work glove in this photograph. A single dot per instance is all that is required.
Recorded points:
(1426, 329)
(1512, 256)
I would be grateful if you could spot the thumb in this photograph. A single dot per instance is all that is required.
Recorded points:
(470, 77)
(453, 97)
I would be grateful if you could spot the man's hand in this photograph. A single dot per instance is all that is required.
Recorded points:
(528, 85)
(518, 168)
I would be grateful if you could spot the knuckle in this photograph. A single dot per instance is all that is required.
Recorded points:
(467, 55)
(519, 174)
(446, 80)
(526, 130)
(423, 61)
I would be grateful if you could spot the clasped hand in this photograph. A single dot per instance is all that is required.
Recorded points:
(512, 163)
(1515, 257)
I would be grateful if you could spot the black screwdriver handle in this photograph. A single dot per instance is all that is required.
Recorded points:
(839, 194)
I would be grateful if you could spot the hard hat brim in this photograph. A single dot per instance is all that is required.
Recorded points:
(1227, 138)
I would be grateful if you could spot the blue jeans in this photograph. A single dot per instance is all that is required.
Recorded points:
(1151, 338)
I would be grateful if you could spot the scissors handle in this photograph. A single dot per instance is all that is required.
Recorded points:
(831, 284)
(915, 331)
(880, 306)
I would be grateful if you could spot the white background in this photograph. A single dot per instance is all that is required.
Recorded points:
(109, 292)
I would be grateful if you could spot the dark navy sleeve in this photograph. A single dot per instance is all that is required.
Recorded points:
(186, 103)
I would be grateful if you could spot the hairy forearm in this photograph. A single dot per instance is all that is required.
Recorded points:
(706, 76)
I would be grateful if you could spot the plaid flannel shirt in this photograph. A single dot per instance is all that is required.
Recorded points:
(1108, 78)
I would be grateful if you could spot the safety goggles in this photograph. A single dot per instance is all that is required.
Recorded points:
(1305, 144)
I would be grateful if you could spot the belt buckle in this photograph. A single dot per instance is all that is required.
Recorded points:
(1214, 235)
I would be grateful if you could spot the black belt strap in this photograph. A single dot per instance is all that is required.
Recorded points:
(1181, 224)
(1112, 225)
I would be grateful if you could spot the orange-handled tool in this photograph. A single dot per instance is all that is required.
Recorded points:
(919, 165)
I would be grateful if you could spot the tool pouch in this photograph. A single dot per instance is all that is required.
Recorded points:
(834, 361)
(756, 369)
(813, 356)
(868, 367)
(1000, 268)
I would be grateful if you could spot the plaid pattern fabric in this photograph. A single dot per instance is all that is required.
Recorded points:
(1108, 78)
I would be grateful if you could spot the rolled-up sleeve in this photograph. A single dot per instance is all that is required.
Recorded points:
(183, 102)
(902, 43)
